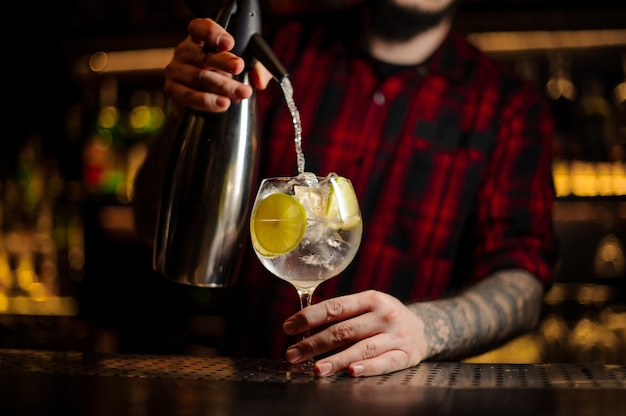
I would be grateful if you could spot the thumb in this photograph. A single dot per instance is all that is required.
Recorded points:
(260, 77)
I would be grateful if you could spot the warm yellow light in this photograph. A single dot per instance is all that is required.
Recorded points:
(555, 295)
(614, 320)
(38, 291)
(604, 179)
(548, 39)
(4, 303)
(554, 328)
(583, 180)
(48, 305)
(158, 118)
(560, 87)
(525, 349)
(98, 61)
(140, 118)
(561, 177)
(156, 59)
(133, 60)
(585, 295)
(6, 274)
(25, 277)
(108, 117)
(76, 258)
(618, 178)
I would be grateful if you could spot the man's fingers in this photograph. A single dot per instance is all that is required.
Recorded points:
(331, 310)
(344, 334)
(348, 360)
(204, 90)
(209, 34)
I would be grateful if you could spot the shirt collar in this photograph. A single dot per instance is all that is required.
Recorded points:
(448, 60)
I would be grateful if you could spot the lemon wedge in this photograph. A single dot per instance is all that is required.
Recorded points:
(277, 225)
(343, 206)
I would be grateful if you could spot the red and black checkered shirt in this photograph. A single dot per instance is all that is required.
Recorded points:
(451, 162)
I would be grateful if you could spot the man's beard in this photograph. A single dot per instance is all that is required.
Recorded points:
(395, 23)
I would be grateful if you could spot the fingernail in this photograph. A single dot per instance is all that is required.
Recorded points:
(357, 369)
(243, 92)
(289, 327)
(222, 102)
(324, 368)
(236, 65)
(219, 42)
(293, 355)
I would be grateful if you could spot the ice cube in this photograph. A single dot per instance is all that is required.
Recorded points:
(313, 233)
(310, 179)
(312, 199)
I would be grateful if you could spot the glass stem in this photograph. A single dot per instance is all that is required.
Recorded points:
(305, 300)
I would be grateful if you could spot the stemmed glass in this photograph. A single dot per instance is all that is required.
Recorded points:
(306, 229)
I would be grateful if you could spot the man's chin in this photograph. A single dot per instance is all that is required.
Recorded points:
(398, 23)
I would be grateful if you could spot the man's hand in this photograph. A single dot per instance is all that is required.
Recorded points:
(372, 332)
(203, 80)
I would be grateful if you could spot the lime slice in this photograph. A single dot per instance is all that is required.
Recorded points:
(342, 203)
(277, 225)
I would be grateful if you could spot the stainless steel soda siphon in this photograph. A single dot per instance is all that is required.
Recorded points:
(202, 227)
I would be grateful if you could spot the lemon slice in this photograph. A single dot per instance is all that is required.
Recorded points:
(277, 225)
(342, 203)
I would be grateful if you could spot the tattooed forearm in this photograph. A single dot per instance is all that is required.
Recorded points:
(494, 310)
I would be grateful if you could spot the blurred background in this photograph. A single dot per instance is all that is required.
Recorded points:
(83, 82)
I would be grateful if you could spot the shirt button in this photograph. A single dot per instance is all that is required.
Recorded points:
(379, 98)
(422, 70)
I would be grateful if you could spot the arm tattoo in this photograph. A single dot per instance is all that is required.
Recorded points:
(493, 311)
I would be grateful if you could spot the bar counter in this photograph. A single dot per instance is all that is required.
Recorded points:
(34, 382)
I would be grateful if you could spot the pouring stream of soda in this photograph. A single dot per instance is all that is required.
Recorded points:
(287, 88)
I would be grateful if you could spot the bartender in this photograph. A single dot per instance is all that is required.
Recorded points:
(450, 155)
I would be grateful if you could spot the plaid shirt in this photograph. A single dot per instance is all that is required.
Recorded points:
(451, 161)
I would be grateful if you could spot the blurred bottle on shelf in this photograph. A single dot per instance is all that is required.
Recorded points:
(590, 145)
(117, 144)
(619, 96)
(563, 93)
(596, 118)
(31, 222)
(147, 119)
(101, 169)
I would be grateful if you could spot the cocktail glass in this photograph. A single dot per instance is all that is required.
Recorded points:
(305, 229)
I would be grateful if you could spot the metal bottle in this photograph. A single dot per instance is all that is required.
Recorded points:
(202, 227)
